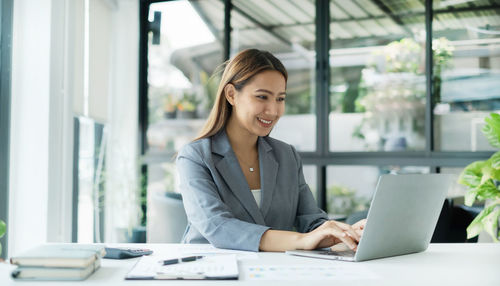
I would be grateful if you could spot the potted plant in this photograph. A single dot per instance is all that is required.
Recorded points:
(442, 52)
(186, 108)
(482, 179)
(170, 106)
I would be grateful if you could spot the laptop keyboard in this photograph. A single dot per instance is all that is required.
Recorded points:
(346, 253)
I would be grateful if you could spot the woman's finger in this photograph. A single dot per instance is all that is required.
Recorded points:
(344, 237)
(360, 224)
(349, 230)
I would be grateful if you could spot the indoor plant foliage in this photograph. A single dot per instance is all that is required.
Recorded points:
(482, 179)
(3, 228)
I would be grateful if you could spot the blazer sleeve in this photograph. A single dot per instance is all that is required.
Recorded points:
(309, 215)
(205, 209)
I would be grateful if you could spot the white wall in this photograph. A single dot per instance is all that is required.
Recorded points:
(29, 124)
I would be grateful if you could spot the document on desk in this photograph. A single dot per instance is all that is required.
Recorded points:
(208, 249)
(297, 272)
(223, 267)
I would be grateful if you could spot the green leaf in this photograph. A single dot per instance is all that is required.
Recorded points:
(470, 197)
(495, 160)
(477, 225)
(472, 174)
(492, 129)
(490, 223)
(486, 171)
(3, 228)
(487, 190)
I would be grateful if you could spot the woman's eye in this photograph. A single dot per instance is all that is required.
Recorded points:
(281, 99)
(261, 96)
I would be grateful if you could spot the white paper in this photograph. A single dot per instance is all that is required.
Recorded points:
(208, 249)
(215, 266)
(341, 271)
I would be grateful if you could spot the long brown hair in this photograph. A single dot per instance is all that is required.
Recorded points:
(238, 72)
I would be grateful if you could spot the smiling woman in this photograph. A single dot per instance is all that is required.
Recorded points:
(243, 189)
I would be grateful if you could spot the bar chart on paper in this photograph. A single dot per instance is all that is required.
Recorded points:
(308, 272)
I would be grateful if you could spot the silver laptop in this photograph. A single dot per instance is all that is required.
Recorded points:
(401, 220)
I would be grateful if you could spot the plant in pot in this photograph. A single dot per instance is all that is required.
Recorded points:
(482, 179)
(186, 108)
(442, 52)
(170, 106)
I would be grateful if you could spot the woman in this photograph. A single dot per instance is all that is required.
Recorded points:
(242, 189)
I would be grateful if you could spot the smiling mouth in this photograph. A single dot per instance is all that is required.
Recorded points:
(266, 122)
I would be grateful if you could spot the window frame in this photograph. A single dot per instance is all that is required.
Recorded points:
(6, 12)
(322, 156)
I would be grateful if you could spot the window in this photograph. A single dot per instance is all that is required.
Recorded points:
(5, 63)
(181, 86)
(378, 80)
(466, 45)
(371, 88)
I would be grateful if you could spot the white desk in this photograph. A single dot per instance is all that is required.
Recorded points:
(442, 264)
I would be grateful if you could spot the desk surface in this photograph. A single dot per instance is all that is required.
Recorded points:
(442, 264)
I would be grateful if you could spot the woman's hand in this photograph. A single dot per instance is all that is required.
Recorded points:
(331, 233)
(359, 227)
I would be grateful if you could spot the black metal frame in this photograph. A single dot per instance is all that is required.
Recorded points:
(6, 10)
(322, 96)
(322, 157)
(143, 83)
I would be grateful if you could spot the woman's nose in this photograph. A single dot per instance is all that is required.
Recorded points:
(272, 108)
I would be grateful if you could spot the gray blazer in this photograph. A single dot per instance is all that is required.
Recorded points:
(218, 202)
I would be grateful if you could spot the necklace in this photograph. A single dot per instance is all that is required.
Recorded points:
(249, 166)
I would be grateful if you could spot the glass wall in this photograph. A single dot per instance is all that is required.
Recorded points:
(285, 28)
(379, 116)
(181, 88)
(377, 64)
(466, 46)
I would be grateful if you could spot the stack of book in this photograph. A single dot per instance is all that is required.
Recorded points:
(58, 262)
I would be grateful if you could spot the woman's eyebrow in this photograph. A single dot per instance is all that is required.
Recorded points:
(268, 91)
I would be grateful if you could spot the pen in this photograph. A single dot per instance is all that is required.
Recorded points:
(182, 259)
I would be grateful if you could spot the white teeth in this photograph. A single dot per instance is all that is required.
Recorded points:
(265, 121)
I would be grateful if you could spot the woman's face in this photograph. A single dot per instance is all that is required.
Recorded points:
(260, 103)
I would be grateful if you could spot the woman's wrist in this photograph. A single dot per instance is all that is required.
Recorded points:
(277, 240)
(301, 237)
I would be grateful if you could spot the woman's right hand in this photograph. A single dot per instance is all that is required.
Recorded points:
(329, 234)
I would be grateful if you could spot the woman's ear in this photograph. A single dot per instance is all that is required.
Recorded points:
(230, 92)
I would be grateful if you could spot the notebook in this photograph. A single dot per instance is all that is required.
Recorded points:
(401, 220)
(54, 273)
(60, 255)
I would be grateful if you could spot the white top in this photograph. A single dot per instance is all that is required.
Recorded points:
(257, 194)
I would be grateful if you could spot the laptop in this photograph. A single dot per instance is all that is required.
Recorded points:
(401, 219)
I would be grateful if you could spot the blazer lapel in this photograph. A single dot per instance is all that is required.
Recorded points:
(230, 170)
(268, 172)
